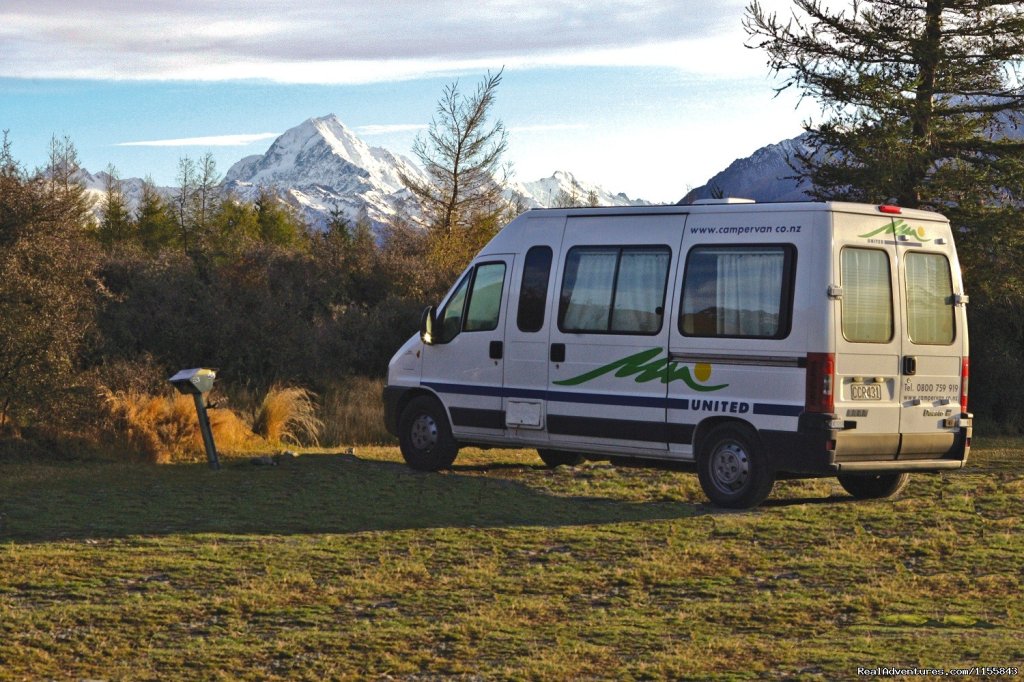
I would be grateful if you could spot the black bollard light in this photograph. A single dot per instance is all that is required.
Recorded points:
(197, 383)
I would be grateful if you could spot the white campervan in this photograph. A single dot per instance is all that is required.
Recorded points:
(754, 341)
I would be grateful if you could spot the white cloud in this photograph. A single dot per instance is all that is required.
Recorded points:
(353, 41)
(389, 129)
(240, 140)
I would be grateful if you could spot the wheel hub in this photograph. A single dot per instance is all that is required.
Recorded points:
(730, 467)
(423, 433)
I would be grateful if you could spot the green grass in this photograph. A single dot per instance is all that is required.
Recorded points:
(341, 566)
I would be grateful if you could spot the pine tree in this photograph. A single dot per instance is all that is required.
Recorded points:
(276, 222)
(462, 157)
(920, 101)
(115, 225)
(922, 104)
(155, 223)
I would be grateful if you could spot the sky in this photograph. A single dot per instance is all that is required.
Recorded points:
(646, 97)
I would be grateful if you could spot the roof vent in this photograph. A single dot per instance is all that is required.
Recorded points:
(723, 200)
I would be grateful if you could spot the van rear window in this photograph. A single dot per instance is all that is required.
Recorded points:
(867, 296)
(614, 289)
(738, 292)
(929, 299)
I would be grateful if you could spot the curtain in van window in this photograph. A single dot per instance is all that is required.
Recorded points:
(589, 288)
(748, 292)
(867, 296)
(929, 299)
(640, 290)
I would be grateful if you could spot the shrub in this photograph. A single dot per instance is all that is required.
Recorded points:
(163, 428)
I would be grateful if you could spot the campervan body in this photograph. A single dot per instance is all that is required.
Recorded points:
(749, 341)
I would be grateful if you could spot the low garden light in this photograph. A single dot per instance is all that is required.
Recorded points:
(198, 382)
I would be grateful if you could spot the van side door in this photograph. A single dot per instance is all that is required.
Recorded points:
(608, 351)
(464, 362)
(533, 294)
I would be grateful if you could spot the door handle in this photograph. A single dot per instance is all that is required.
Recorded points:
(497, 349)
(909, 365)
(558, 352)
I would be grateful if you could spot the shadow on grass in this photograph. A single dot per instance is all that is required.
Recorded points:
(312, 494)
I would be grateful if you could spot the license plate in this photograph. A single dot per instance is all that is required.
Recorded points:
(865, 391)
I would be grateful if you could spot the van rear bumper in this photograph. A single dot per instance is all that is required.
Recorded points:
(898, 465)
(817, 449)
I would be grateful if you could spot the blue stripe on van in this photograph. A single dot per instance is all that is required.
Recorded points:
(578, 397)
(774, 410)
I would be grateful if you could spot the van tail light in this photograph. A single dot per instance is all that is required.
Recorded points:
(821, 376)
(890, 209)
(965, 375)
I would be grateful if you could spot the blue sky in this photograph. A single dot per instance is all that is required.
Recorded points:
(646, 97)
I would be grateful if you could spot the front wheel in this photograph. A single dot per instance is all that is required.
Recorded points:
(874, 486)
(424, 435)
(732, 468)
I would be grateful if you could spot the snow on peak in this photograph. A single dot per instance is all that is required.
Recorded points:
(563, 189)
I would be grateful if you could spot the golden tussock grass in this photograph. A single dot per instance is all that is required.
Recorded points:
(164, 428)
(288, 415)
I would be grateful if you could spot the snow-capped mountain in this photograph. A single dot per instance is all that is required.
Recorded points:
(321, 166)
(96, 187)
(765, 175)
(563, 189)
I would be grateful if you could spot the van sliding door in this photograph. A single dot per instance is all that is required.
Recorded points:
(608, 346)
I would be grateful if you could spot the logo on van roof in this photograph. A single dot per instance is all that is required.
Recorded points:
(899, 228)
(646, 366)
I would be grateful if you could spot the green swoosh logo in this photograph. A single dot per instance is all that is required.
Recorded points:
(644, 366)
(898, 228)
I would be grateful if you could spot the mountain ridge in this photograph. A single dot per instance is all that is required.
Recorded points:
(322, 168)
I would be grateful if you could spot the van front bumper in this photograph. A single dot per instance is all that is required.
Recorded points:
(392, 398)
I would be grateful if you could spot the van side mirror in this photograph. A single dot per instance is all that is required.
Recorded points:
(427, 325)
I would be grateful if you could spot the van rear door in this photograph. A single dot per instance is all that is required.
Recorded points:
(900, 337)
(933, 338)
(868, 334)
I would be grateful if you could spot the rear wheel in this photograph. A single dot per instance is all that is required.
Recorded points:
(874, 486)
(425, 437)
(554, 458)
(732, 468)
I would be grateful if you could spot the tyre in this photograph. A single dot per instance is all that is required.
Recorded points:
(425, 437)
(733, 469)
(874, 486)
(554, 458)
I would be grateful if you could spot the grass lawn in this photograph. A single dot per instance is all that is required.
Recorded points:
(342, 566)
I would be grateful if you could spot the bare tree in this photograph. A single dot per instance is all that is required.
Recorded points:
(462, 158)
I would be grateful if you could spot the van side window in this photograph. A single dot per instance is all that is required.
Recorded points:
(867, 295)
(485, 298)
(476, 303)
(929, 299)
(614, 289)
(738, 292)
(533, 295)
(451, 316)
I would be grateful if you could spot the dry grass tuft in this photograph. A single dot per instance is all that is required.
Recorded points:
(163, 429)
(288, 414)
